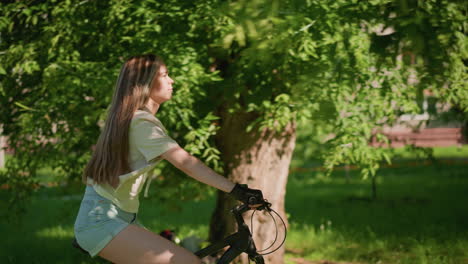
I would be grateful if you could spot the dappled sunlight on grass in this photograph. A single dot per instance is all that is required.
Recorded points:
(367, 247)
(418, 217)
(55, 232)
(439, 152)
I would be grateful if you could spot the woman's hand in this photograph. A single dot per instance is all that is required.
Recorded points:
(251, 197)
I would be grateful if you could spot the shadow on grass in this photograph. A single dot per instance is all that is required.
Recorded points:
(45, 232)
(424, 204)
(408, 199)
(416, 210)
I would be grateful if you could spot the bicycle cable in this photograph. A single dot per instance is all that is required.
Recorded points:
(276, 230)
(276, 233)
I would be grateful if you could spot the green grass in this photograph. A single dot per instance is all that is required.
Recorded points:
(399, 154)
(44, 234)
(419, 216)
(439, 152)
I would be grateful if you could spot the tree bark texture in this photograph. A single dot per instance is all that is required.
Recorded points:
(260, 159)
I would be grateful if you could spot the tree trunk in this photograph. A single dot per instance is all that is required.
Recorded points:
(261, 160)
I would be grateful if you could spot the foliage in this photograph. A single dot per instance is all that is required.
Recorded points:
(347, 66)
(344, 66)
(59, 61)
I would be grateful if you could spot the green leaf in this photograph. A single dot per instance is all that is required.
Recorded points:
(24, 107)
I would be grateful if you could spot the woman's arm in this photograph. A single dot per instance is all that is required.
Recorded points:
(193, 167)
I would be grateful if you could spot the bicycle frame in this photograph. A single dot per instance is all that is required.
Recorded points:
(239, 242)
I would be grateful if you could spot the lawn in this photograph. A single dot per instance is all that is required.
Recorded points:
(420, 216)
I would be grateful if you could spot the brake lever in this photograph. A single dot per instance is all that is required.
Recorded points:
(265, 206)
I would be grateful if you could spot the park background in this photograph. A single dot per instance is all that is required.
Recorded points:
(349, 115)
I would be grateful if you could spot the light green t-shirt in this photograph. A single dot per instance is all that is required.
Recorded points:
(148, 139)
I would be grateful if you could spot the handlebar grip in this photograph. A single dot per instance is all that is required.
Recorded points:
(246, 195)
(253, 200)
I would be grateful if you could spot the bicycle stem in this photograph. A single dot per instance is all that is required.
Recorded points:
(239, 242)
(238, 211)
(249, 246)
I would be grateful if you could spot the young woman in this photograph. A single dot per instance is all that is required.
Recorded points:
(132, 142)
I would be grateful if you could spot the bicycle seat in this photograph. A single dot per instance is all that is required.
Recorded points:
(76, 245)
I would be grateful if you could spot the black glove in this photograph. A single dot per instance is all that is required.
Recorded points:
(246, 195)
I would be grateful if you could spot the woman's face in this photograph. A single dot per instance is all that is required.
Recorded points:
(161, 90)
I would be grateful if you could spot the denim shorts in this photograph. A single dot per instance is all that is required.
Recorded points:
(99, 221)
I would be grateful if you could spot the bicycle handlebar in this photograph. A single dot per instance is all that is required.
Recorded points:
(240, 209)
(241, 241)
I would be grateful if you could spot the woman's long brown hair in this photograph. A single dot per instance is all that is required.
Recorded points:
(132, 91)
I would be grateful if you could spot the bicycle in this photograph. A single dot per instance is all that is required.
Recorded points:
(239, 242)
(242, 241)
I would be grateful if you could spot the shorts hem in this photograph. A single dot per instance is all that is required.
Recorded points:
(101, 245)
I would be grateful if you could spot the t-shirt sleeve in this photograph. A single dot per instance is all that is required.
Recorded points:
(150, 139)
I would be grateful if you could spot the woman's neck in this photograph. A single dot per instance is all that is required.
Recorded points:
(152, 106)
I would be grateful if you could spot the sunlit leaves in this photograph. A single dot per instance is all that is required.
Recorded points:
(344, 65)
(59, 62)
(349, 64)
